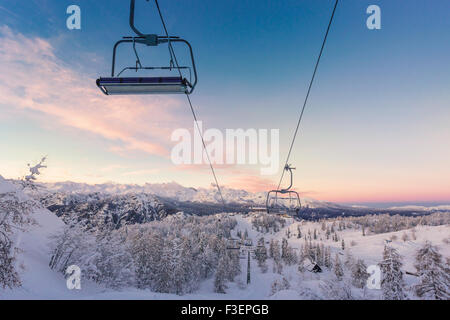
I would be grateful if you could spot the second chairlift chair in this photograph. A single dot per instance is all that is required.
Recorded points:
(116, 85)
(274, 205)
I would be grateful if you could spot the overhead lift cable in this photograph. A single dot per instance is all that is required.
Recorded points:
(308, 92)
(172, 51)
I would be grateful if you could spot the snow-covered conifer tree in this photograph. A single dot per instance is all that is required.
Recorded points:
(434, 279)
(261, 254)
(392, 283)
(15, 214)
(284, 246)
(337, 268)
(279, 285)
(220, 277)
(359, 274)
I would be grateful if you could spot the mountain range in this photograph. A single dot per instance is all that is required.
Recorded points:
(114, 205)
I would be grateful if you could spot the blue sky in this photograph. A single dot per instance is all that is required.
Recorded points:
(377, 123)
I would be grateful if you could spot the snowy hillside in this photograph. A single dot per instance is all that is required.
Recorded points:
(38, 281)
(147, 254)
(33, 242)
(277, 280)
(369, 248)
(99, 209)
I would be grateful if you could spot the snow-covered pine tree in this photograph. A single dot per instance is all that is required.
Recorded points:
(301, 260)
(261, 255)
(15, 214)
(278, 265)
(271, 248)
(337, 268)
(111, 263)
(434, 279)
(29, 180)
(335, 289)
(180, 277)
(311, 251)
(349, 260)
(328, 263)
(190, 266)
(359, 274)
(146, 249)
(276, 253)
(392, 283)
(234, 265)
(321, 255)
(284, 246)
(291, 257)
(164, 267)
(220, 277)
(279, 285)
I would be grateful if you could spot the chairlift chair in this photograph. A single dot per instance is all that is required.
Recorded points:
(248, 243)
(117, 85)
(233, 244)
(275, 204)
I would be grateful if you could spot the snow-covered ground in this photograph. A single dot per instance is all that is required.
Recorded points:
(306, 285)
(40, 282)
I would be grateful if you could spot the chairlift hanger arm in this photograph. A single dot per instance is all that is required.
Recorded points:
(288, 168)
(148, 39)
(133, 27)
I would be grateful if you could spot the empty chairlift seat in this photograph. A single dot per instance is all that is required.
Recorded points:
(143, 85)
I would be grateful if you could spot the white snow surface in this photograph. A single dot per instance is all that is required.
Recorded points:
(40, 282)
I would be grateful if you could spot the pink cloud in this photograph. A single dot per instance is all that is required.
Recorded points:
(144, 172)
(251, 183)
(33, 78)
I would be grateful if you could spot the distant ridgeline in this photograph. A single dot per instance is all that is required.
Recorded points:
(115, 211)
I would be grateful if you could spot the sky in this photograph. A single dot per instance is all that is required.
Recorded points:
(376, 127)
